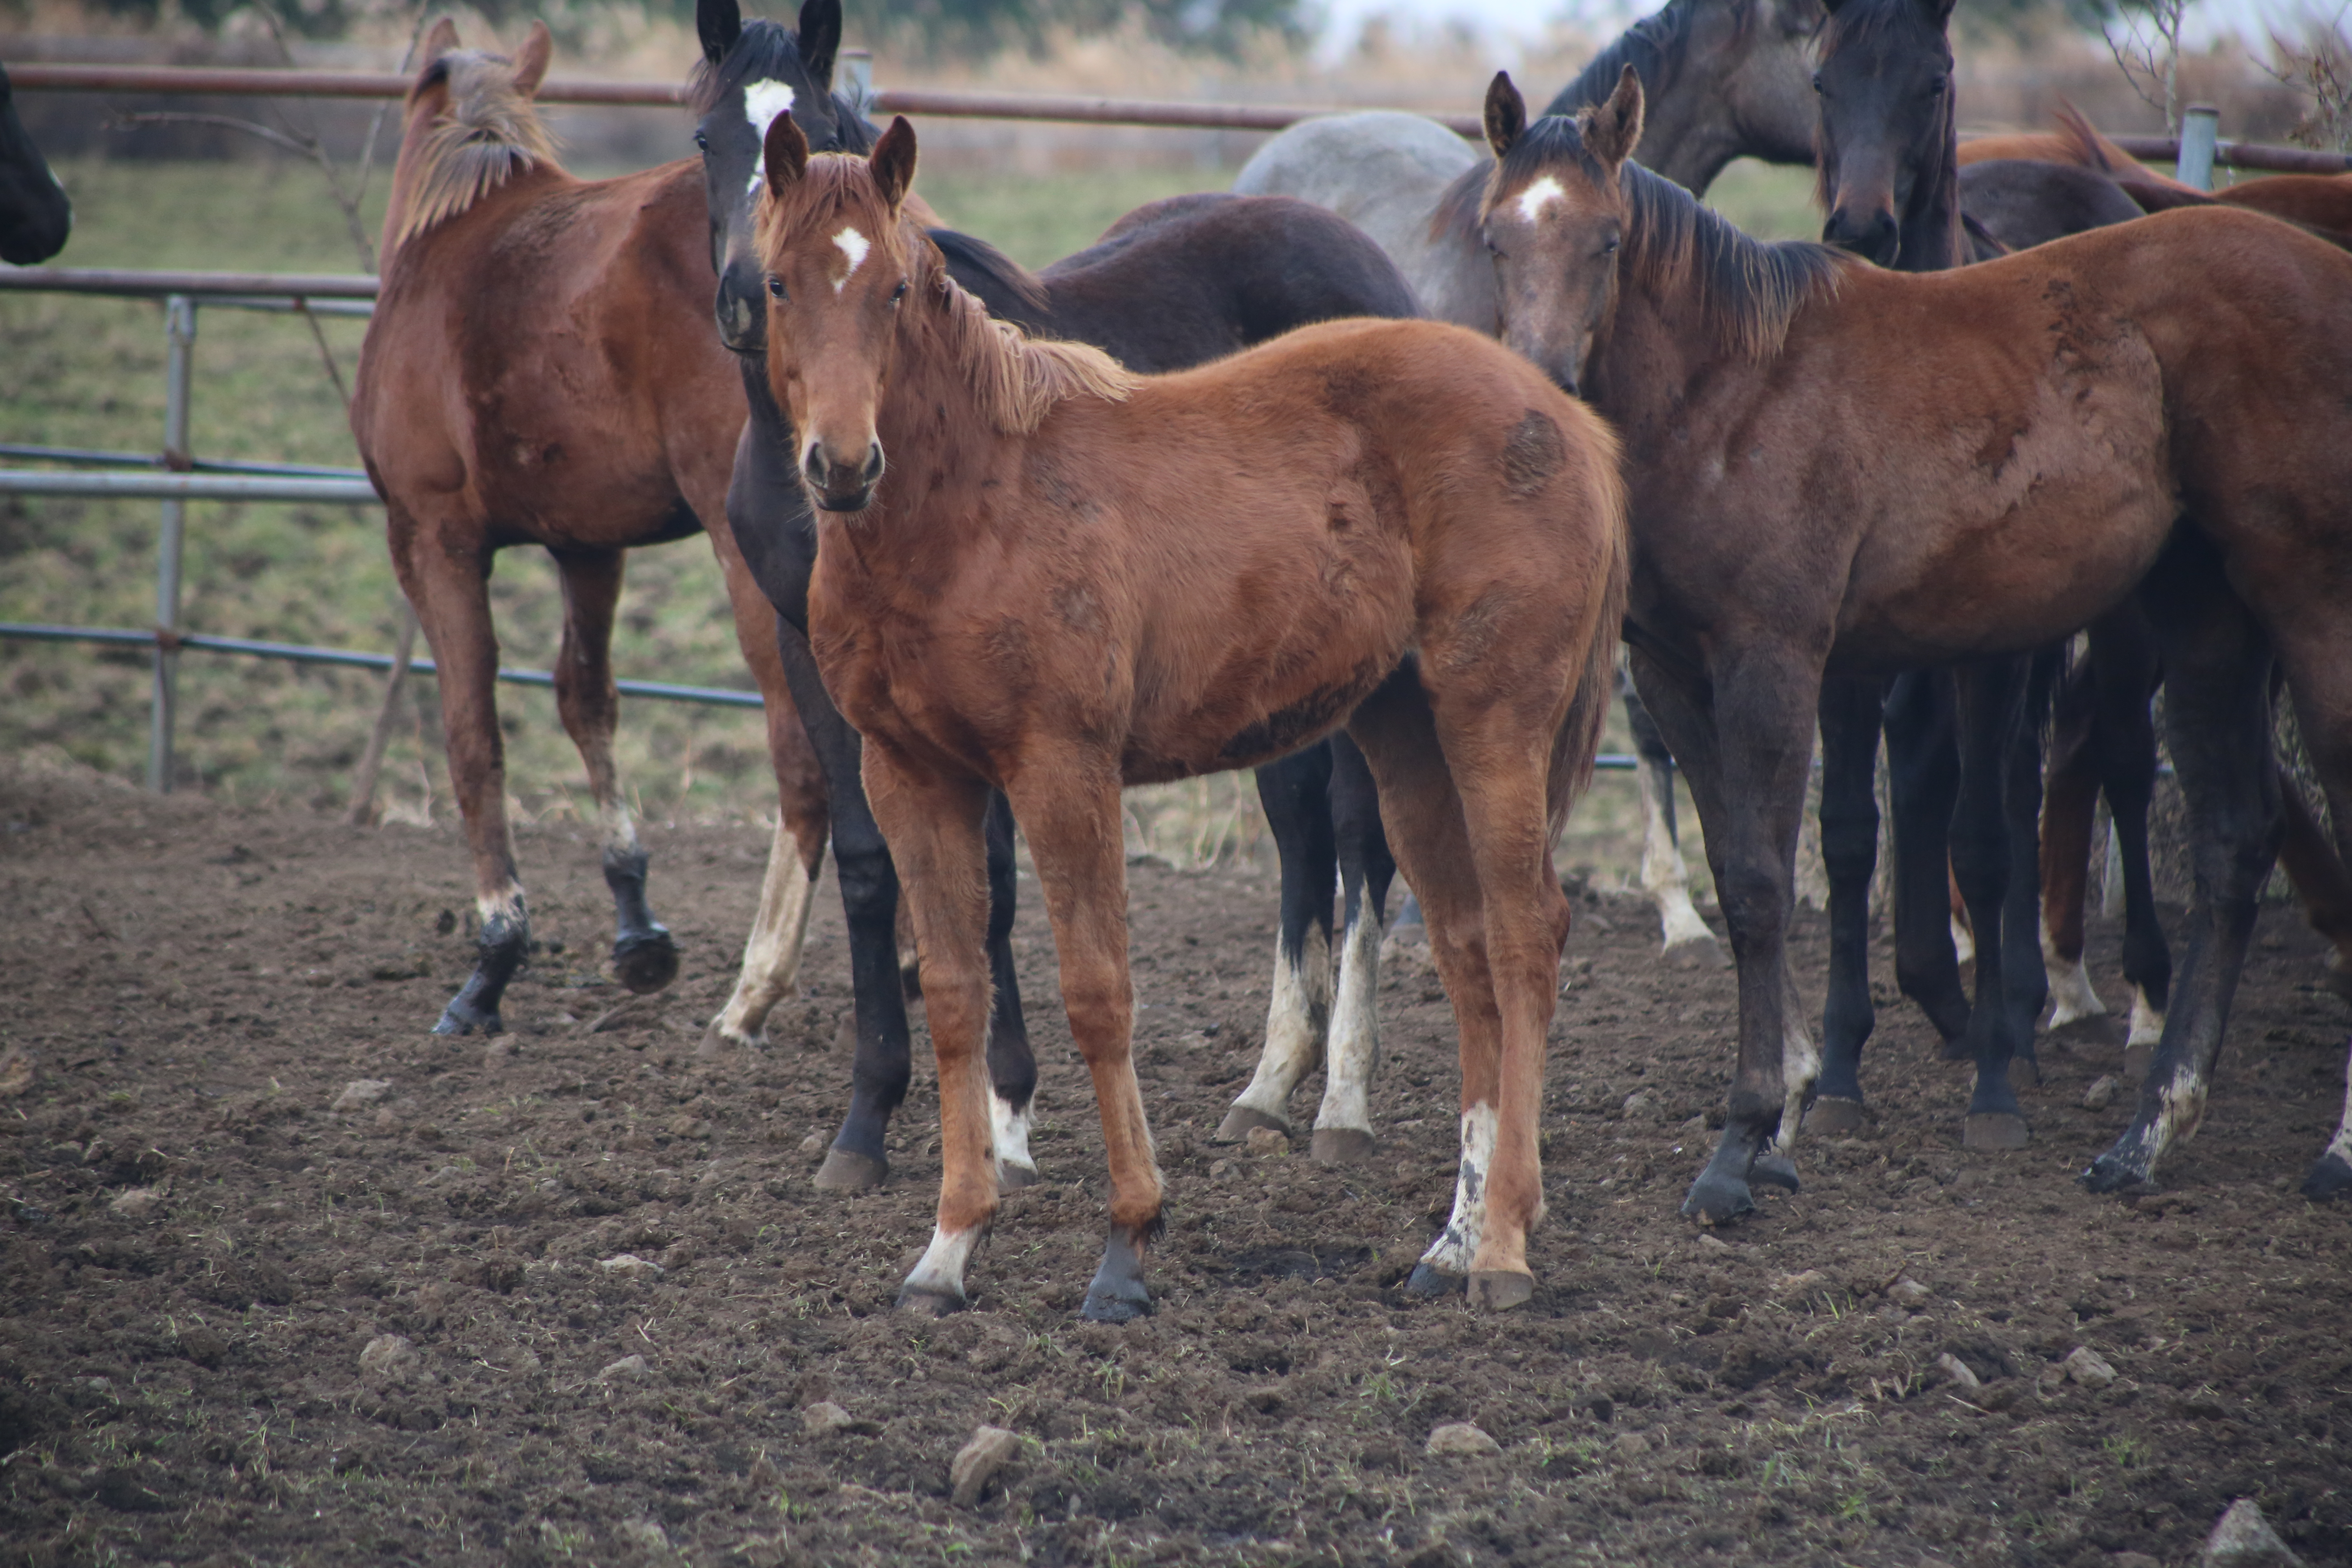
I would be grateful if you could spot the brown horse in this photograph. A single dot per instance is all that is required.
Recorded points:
(2158, 407)
(541, 369)
(1039, 573)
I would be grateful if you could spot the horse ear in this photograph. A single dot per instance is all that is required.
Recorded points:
(1506, 113)
(1833, 6)
(1942, 11)
(531, 60)
(820, 39)
(785, 152)
(718, 23)
(439, 39)
(893, 162)
(1614, 129)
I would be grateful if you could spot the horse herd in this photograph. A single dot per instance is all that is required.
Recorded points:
(1359, 476)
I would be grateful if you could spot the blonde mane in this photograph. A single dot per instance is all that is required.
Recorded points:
(487, 134)
(1016, 379)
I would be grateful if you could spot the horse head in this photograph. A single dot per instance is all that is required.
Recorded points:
(34, 217)
(1769, 90)
(1886, 157)
(1553, 219)
(751, 73)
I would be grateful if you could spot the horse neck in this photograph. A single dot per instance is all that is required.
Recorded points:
(1934, 238)
(1688, 134)
(931, 420)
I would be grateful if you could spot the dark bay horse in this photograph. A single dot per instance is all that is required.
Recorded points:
(1040, 573)
(35, 215)
(540, 370)
(1172, 285)
(2067, 428)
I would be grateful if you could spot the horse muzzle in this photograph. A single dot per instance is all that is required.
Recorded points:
(740, 309)
(836, 486)
(1871, 234)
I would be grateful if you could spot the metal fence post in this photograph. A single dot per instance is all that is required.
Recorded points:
(180, 323)
(2200, 128)
(856, 70)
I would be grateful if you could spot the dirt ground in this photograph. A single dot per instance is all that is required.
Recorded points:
(239, 1324)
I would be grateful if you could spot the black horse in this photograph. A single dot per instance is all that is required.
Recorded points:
(1173, 284)
(35, 215)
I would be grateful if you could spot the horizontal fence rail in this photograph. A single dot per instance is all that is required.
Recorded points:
(188, 487)
(204, 82)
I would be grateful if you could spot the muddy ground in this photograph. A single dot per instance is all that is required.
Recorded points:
(240, 1325)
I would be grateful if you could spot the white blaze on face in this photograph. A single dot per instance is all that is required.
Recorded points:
(1540, 195)
(854, 245)
(762, 101)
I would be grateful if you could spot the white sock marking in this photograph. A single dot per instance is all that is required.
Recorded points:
(2341, 1144)
(771, 953)
(1964, 945)
(854, 245)
(1355, 1053)
(2072, 997)
(1801, 1064)
(1664, 875)
(1457, 1244)
(1295, 1021)
(1009, 1132)
(1540, 195)
(941, 1269)
(2147, 1021)
(506, 902)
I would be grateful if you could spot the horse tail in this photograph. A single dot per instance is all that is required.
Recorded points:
(1579, 740)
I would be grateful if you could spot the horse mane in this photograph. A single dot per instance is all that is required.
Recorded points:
(1653, 47)
(1016, 379)
(976, 256)
(768, 48)
(487, 134)
(1749, 290)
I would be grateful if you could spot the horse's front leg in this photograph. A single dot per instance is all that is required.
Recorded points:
(1343, 1124)
(1850, 710)
(1067, 800)
(1923, 780)
(1989, 699)
(1012, 1065)
(1296, 794)
(936, 824)
(1664, 875)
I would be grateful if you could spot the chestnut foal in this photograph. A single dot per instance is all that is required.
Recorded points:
(1070, 578)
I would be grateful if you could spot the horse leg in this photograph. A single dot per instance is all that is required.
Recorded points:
(2322, 699)
(1851, 714)
(1989, 706)
(2025, 983)
(2069, 807)
(1296, 793)
(2217, 722)
(2318, 876)
(1664, 875)
(2125, 665)
(1746, 748)
(771, 953)
(453, 606)
(1922, 786)
(859, 1157)
(936, 825)
(1012, 1065)
(1343, 1124)
(1398, 737)
(644, 959)
(1067, 801)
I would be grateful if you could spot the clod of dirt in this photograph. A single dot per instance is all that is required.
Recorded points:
(1954, 1368)
(824, 1417)
(990, 1449)
(629, 1266)
(388, 1358)
(1908, 1292)
(1630, 1446)
(812, 1146)
(361, 1092)
(645, 1534)
(1462, 1439)
(2244, 1538)
(1265, 1140)
(15, 1072)
(1803, 1284)
(137, 1203)
(2089, 1368)
(1712, 1244)
(628, 1367)
(2100, 1094)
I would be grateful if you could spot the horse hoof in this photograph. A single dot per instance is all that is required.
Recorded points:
(1716, 1200)
(2331, 1177)
(1340, 1146)
(2110, 1175)
(1241, 1121)
(1116, 1306)
(719, 1042)
(928, 1303)
(2338, 980)
(1833, 1116)
(461, 1018)
(847, 1170)
(1995, 1131)
(2137, 1060)
(1500, 1290)
(1010, 1176)
(644, 964)
(2024, 1072)
(1774, 1171)
(1427, 1283)
(2095, 1029)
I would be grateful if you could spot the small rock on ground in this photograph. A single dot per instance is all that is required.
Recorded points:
(136, 1203)
(825, 1416)
(2100, 1094)
(361, 1092)
(1462, 1437)
(1803, 1284)
(1908, 1292)
(979, 1462)
(1956, 1369)
(645, 1534)
(2088, 1367)
(2244, 1538)
(627, 1366)
(629, 1266)
(388, 1358)
(1265, 1140)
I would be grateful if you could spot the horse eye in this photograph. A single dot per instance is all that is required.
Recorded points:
(1608, 248)
(899, 292)
(1817, 84)
(701, 142)
(776, 288)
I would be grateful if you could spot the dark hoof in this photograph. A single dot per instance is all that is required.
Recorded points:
(462, 1018)
(2024, 1072)
(2110, 1175)
(929, 1303)
(1995, 1131)
(1717, 1200)
(1342, 1146)
(2330, 1178)
(1427, 1284)
(1500, 1290)
(2137, 1060)
(647, 963)
(1958, 1049)
(1118, 1294)
(1774, 1171)
(846, 1171)
(2340, 981)
(2098, 1029)
(1240, 1120)
(1116, 1306)
(1832, 1116)
(1010, 1176)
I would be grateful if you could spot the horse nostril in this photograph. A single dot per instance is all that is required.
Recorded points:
(872, 463)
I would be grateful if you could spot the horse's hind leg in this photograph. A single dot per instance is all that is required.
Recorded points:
(1011, 1067)
(1989, 699)
(2217, 721)
(1296, 793)
(1665, 877)
(2319, 879)
(2125, 664)
(644, 959)
(1923, 772)
(450, 591)
(1343, 1125)
(2025, 984)
(1850, 714)
(2069, 805)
